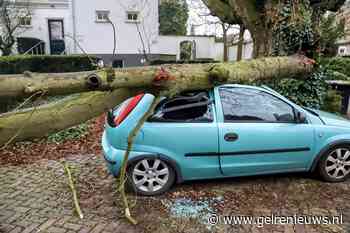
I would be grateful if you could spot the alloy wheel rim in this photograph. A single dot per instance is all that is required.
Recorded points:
(150, 175)
(338, 163)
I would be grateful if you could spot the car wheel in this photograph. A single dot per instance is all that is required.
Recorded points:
(334, 165)
(150, 176)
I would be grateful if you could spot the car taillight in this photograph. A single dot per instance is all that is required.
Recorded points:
(127, 109)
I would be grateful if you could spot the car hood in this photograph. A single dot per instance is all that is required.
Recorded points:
(332, 119)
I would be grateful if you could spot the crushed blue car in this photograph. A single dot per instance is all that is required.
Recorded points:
(229, 131)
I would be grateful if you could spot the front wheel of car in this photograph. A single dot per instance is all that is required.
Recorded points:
(334, 165)
(151, 176)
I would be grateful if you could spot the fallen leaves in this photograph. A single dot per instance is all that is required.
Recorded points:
(31, 152)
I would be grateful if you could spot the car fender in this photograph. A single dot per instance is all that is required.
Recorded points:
(330, 143)
(172, 162)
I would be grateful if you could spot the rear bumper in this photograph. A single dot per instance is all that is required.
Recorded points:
(113, 157)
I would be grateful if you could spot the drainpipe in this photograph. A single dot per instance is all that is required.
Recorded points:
(74, 27)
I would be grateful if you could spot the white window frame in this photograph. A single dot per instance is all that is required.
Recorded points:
(137, 13)
(105, 18)
(342, 51)
(25, 19)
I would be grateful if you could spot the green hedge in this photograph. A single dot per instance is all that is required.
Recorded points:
(337, 64)
(46, 64)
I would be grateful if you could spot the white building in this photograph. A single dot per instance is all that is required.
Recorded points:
(344, 43)
(83, 26)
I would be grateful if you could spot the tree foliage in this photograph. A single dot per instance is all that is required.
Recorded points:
(310, 93)
(293, 31)
(300, 28)
(173, 16)
(330, 32)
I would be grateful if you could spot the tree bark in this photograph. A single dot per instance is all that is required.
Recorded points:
(240, 42)
(224, 37)
(259, 17)
(172, 79)
(180, 76)
(39, 122)
(20, 86)
(262, 43)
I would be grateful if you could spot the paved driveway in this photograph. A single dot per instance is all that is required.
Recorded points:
(35, 198)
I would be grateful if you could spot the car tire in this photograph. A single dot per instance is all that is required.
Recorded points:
(334, 165)
(150, 176)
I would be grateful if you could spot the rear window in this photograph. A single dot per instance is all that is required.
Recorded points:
(187, 107)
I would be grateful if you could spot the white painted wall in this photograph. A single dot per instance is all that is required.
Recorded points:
(97, 38)
(40, 29)
(247, 52)
(219, 51)
(205, 45)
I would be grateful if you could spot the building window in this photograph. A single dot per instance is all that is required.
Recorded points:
(341, 51)
(102, 16)
(25, 21)
(133, 16)
(118, 64)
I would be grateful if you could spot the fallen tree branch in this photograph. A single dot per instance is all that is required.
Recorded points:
(184, 76)
(171, 79)
(20, 86)
(59, 115)
(74, 192)
(123, 170)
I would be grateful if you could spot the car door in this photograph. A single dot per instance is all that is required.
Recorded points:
(258, 133)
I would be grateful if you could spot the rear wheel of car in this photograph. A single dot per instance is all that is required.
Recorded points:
(334, 165)
(151, 176)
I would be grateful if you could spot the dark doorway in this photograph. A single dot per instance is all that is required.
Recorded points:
(56, 34)
(118, 64)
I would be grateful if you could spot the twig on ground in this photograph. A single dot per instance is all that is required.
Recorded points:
(74, 192)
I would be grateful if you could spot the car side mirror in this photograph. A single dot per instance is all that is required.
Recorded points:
(301, 118)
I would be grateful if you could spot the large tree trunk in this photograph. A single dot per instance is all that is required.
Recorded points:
(41, 121)
(259, 17)
(224, 38)
(170, 80)
(27, 84)
(19, 86)
(263, 42)
(240, 42)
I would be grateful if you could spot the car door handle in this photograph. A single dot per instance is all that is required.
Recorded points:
(230, 137)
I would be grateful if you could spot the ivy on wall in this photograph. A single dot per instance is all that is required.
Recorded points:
(294, 29)
(309, 93)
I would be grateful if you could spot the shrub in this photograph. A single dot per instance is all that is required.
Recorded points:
(337, 64)
(73, 133)
(46, 64)
(332, 101)
(309, 93)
